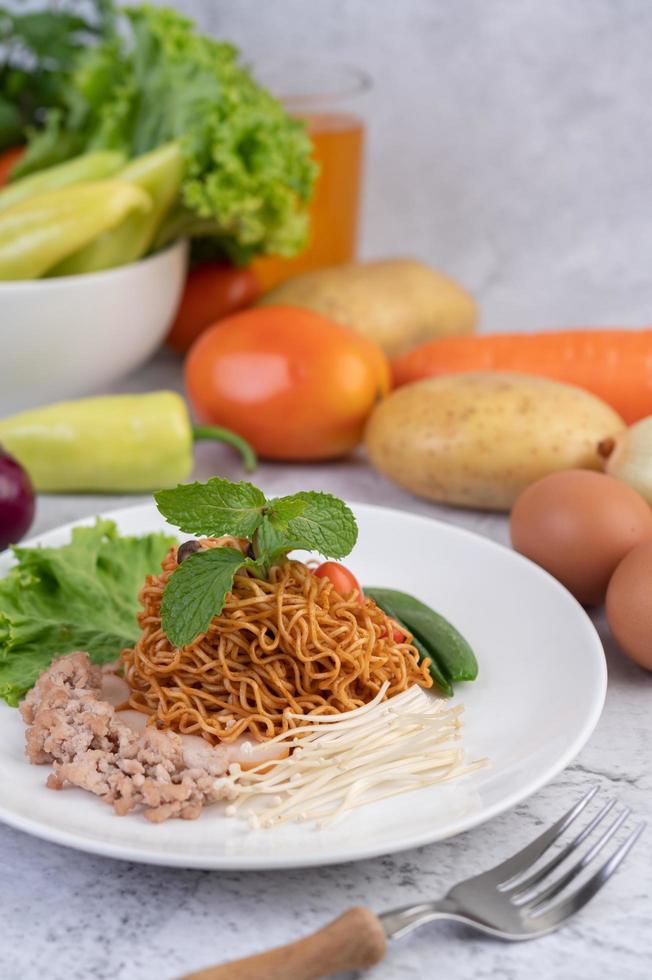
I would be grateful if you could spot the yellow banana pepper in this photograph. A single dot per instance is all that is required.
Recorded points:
(111, 444)
(159, 173)
(89, 166)
(39, 232)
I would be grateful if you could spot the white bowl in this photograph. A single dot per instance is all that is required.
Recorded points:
(75, 335)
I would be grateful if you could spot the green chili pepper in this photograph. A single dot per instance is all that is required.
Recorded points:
(445, 645)
(435, 670)
(40, 231)
(90, 166)
(160, 174)
(111, 444)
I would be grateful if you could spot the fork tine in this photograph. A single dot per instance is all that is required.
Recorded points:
(513, 869)
(520, 893)
(557, 886)
(555, 915)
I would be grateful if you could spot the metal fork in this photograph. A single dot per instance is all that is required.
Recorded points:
(514, 901)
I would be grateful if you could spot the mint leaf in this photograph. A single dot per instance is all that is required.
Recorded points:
(214, 508)
(274, 538)
(325, 524)
(281, 510)
(196, 591)
(273, 543)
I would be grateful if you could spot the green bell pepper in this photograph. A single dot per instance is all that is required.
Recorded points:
(111, 444)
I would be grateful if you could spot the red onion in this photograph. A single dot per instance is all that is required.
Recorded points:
(16, 500)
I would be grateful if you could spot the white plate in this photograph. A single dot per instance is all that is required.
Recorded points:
(538, 697)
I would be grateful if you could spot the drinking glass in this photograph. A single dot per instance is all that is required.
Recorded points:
(325, 95)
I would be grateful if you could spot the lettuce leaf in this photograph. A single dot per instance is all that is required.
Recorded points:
(248, 166)
(81, 596)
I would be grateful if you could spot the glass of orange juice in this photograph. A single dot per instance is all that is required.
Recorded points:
(325, 96)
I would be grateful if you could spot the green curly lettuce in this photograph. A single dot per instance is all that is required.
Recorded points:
(80, 596)
(248, 172)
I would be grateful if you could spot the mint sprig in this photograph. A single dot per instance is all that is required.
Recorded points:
(197, 589)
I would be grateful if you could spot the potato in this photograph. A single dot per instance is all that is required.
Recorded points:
(477, 440)
(398, 303)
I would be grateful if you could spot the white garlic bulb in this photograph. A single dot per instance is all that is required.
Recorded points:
(628, 457)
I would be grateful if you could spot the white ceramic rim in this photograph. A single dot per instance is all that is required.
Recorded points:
(168, 858)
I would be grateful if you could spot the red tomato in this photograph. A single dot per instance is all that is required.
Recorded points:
(213, 290)
(291, 382)
(344, 582)
(398, 635)
(8, 159)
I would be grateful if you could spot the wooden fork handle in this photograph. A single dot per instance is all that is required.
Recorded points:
(353, 941)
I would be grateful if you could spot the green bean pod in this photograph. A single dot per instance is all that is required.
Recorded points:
(444, 643)
(438, 676)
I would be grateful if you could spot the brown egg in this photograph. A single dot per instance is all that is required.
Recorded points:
(629, 604)
(578, 525)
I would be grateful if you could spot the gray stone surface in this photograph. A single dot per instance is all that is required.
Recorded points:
(71, 916)
(509, 141)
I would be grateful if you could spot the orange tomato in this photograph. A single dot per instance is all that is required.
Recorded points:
(293, 383)
(8, 159)
(344, 582)
(213, 290)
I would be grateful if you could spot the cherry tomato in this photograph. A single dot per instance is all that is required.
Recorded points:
(213, 290)
(293, 383)
(8, 159)
(344, 582)
(398, 635)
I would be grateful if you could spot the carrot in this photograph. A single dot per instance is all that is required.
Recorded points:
(616, 365)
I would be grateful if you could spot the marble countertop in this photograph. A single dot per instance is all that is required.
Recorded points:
(70, 916)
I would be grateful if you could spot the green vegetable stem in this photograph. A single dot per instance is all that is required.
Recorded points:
(197, 589)
(111, 444)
